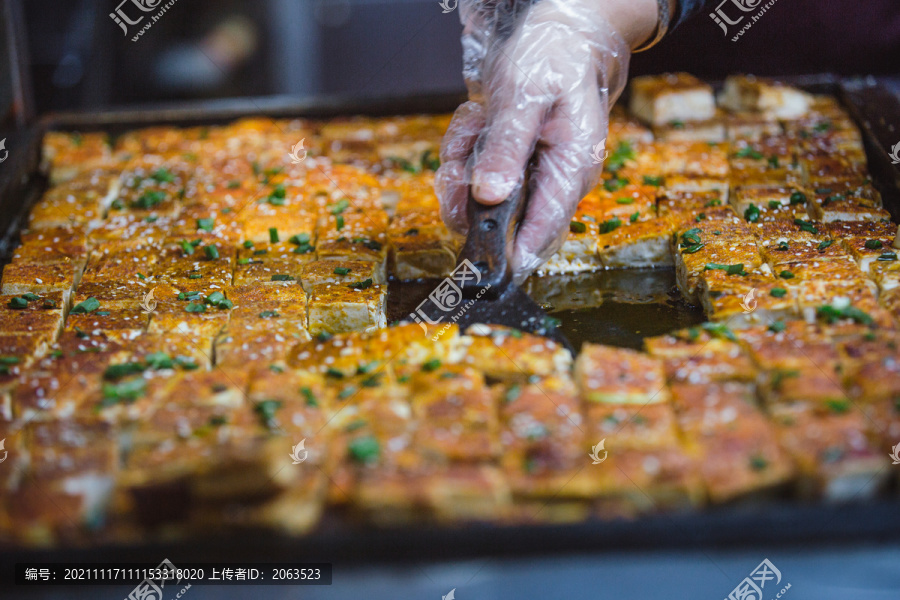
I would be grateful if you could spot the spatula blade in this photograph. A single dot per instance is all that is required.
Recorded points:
(511, 309)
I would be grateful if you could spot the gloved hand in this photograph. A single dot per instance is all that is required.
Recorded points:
(541, 75)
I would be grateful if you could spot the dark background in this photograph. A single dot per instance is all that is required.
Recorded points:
(80, 58)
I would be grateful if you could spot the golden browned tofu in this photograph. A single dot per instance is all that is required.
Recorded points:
(619, 376)
(456, 413)
(713, 130)
(350, 307)
(702, 355)
(638, 482)
(673, 97)
(681, 183)
(630, 426)
(636, 245)
(778, 253)
(695, 159)
(69, 154)
(771, 98)
(244, 350)
(737, 255)
(336, 272)
(262, 223)
(746, 300)
(512, 355)
(744, 461)
(423, 251)
(775, 202)
(543, 443)
(835, 459)
(624, 128)
(40, 278)
(750, 127)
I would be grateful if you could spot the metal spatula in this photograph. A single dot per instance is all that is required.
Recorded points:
(483, 277)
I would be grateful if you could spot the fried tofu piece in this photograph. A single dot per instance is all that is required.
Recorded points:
(744, 301)
(119, 324)
(619, 376)
(31, 305)
(717, 253)
(287, 320)
(342, 308)
(673, 97)
(746, 460)
(459, 492)
(832, 170)
(810, 386)
(421, 252)
(278, 306)
(636, 245)
(244, 350)
(792, 347)
(333, 272)
(849, 210)
(578, 253)
(695, 159)
(775, 202)
(177, 319)
(835, 460)
(706, 408)
(877, 380)
(630, 426)
(702, 355)
(69, 153)
(681, 183)
(456, 415)
(748, 126)
(624, 128)
(513, 356)
(262, 222)
(771, 98)
(784, 253)
(782, 230)
(638, 482)
(61, 383)
(543, 445)
(684, 206)
(713, 131)
(40, 278)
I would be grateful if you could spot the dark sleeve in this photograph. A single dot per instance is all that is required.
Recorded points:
(686, 9)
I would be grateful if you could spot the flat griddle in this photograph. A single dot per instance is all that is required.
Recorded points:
(634, 304)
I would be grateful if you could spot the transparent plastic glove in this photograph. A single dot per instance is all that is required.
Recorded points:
(541, 77)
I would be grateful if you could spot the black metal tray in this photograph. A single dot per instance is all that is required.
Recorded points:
(636, 304)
